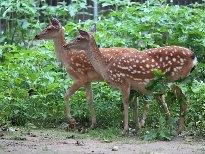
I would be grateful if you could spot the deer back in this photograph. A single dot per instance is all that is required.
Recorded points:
(137, 68)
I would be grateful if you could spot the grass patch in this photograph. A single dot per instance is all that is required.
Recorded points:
(2, 147)
(107, 135)
(114, 134)
(19, 138)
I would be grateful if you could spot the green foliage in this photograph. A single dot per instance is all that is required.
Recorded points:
(107, 135)
(158, 85)
(196, 112)
(20, 18)
(115, 4)
(162, 131)
(107, 105)
(29, 80)
(33, 83)
(23, 18)
(77, 7)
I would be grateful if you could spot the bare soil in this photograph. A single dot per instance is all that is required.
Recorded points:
(61, 142)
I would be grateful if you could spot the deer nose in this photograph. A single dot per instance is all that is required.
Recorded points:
(37, 37)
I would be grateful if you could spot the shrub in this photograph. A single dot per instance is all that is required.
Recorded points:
(33, 83)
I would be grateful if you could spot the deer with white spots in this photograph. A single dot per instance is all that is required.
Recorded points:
(133, 71)
(77, 66)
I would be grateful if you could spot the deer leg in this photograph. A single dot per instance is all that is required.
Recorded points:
(89, 94)
(182, 99)
(162, 102)
(144, 114)
(181, 125)
(125, 89)
(136, 113)
(75, 86)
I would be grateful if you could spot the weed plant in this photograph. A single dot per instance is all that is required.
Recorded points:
(33, 83)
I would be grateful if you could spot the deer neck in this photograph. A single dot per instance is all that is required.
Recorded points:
(59, 41)
(96, 58)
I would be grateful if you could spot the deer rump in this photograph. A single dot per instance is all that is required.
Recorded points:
(137, 68)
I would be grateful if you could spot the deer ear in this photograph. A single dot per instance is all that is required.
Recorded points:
(83, 33)
(93, 28)
(55, 22)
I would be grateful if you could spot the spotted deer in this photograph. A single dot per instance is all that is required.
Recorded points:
(133, 71)
(77, 66)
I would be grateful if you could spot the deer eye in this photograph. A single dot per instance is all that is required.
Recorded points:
(48, 29)
(78, 39)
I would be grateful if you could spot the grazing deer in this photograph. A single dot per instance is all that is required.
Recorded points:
(77, 66)
(133, 71)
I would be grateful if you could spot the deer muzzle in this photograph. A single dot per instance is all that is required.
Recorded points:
(37, 37)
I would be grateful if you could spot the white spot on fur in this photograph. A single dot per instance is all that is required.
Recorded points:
(168, 69)
(181, 60)
(142, 67)
(146, 80)
(130, 67)
(173, 73)
(134, 71)
(122, 74)
(169, 62)
(118, 75)
(160, 59)
(123, 67)
(147, 65)
(175, 69)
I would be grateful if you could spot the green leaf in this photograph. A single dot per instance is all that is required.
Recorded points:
(25, 24)
(16, 112)
(6, 11)
(152, 135)
(165, 135)
(52, 86)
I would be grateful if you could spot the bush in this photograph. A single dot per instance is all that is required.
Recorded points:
(33, 83)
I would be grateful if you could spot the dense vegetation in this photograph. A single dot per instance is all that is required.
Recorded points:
(33, 83)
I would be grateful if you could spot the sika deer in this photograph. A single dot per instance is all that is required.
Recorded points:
(133, 71)
(77, 66)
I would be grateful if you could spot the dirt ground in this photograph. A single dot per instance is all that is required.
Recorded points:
(61, 142)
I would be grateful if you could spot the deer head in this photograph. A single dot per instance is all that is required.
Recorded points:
(83, 38)
(51, 31)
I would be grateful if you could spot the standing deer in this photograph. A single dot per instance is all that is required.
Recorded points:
(133, 71)
(77, 66)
